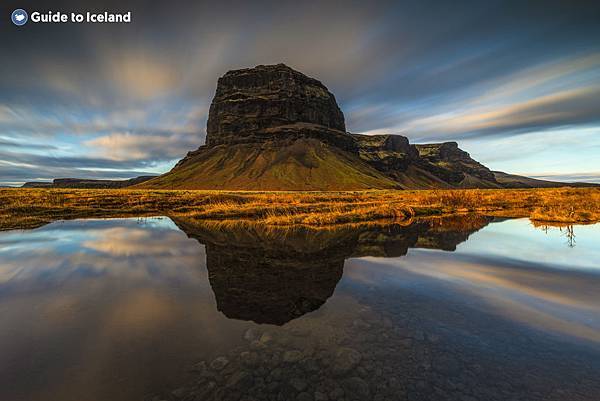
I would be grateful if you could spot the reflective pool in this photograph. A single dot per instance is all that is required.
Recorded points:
(462, 308)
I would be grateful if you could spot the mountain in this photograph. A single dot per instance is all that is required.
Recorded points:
(87, 183)
(273, 128)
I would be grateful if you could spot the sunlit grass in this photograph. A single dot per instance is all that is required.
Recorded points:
(30, 207)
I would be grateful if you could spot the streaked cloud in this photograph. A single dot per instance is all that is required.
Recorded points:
(550, 95)
(128, 146)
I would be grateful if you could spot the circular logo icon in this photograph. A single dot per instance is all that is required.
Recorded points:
(19, 17)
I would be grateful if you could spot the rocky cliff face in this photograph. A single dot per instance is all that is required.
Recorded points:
(453, 164)
(387, 153)
(251, 103)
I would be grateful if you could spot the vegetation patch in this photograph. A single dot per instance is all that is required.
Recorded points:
(23, 208)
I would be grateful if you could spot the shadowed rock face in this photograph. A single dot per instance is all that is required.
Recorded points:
(248, 101)
(275, 275)
(387, 153)
(451, 163)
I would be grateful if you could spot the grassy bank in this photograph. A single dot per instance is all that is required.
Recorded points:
(22, 208)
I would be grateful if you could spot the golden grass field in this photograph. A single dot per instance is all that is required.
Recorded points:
(23, 208)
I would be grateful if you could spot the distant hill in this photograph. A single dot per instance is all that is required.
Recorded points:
(518, 181)
(87, 183)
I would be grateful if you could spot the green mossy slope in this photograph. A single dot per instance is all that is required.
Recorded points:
(301, 164)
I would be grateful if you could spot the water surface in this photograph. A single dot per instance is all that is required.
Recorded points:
(464, 308)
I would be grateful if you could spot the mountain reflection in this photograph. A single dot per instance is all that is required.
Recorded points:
(273, 275)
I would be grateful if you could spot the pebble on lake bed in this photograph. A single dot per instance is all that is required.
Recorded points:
(219, 363)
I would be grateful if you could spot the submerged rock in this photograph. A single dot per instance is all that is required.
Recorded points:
(251, 334)
(239, 379)
(292, 356)
(345, 360)
(219, 363)
(298, 383)
(356, 388)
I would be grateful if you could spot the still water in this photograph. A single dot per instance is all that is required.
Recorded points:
(465, 308)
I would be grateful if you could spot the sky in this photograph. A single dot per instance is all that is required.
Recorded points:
(516, 84)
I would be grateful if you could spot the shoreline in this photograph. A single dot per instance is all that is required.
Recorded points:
(22, 208)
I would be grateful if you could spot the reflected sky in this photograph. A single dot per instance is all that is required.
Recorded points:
(512, 269)
(520, 240)
(130, 248)
(86, 305)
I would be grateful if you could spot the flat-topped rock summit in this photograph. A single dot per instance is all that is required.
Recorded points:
(273, 128)
(251, 101)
